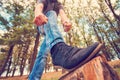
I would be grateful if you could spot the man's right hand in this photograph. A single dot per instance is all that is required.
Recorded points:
(40, 20)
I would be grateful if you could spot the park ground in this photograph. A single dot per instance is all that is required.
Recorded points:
(57, 75)
(46, 76)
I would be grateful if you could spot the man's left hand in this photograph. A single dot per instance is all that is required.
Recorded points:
(67, 26)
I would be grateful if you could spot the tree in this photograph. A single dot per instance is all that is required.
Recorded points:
(20, 32)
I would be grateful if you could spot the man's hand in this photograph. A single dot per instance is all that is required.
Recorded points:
(67, 26)
(65, 21)
(40, 20)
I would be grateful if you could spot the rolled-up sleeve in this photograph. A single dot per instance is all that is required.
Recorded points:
(60, 6)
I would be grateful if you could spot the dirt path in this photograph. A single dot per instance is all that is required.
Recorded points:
(15, 78)
(56, 75)
(46, 76)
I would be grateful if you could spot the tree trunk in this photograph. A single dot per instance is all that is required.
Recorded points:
(9, 65)
(69, 36)
(24, 56)
(111, 24)
(96, 69)
(34, 54)
(118, 49)
(9, 55)
(116, 16)
(17, 61)
(101, 39)
(116, 46)
(108, 2)
(112, 45)
(83, 34)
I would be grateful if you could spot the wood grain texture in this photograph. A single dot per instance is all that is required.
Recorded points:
(96, 69)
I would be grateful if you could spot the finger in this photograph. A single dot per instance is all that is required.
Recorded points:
(66, 29)
(39, 22)
(44, 19)
(36, 21)
(69, 25)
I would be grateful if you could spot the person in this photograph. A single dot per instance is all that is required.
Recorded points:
(68, 57)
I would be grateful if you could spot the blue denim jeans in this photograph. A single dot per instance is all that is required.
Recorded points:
(52, 36)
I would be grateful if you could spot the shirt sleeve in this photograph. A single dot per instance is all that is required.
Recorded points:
(57, 7)
(60, 6)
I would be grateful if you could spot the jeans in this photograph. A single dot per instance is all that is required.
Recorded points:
(52, 36)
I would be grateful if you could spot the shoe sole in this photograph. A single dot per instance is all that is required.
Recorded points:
(92, 55)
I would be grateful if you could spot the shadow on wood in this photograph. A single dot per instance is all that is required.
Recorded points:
(96, 69)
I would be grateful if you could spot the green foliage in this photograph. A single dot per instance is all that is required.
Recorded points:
(3, 21)
(2, 57)
(94, 21)
(19, 28)
(3, 50)
(21, 23)
(1, 41)
(117, 6)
